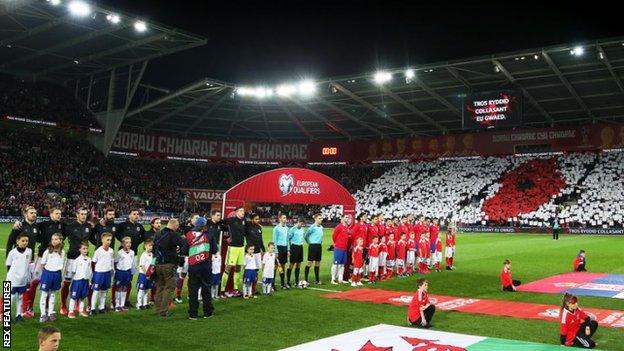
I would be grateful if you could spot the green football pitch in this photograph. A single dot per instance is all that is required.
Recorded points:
(296, 316)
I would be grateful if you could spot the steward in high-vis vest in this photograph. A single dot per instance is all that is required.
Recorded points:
(202, 244)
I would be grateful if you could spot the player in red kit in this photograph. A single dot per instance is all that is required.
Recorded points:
(401, 249)
(434, 232)
(340, 238)
(383, 256)
(382, 227)
(357, 257)
(403, 228)
(390, 228)
(450, 247)
(390, 262)
(373, 260)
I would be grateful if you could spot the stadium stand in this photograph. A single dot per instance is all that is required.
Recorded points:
(42, 101)
(578, 189)
(56, 170)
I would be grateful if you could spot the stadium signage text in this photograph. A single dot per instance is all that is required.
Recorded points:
(204, 195)
(165, 145)
(288, 184)
(492, 109)
(611, 231)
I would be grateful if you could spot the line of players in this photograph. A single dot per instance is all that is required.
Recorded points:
(53, 269)
(382, 248)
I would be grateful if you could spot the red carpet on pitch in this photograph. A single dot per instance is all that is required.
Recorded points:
(525, 310)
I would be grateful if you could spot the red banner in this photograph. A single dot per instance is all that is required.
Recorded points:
(581, 138)
(493, 142)
(208, 149)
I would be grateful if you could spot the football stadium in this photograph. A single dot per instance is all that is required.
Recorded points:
(472, 200)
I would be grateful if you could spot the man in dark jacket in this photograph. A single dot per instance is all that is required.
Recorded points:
(166, 245)
(202, 244)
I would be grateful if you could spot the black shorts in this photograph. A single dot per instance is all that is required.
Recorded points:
(282, 254)
(296, 253)
(314, 252)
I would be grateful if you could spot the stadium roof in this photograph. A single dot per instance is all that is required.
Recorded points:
(560, 86)
(48, 41)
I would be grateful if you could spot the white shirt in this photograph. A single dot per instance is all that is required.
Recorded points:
(103, 259)
(125, 260)
(250, 262)
(53, 261)
(145, 261)
(216, 264)
(19, 274)
(81, 267)
(268, 262)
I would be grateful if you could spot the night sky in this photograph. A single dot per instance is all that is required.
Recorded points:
(271, 42)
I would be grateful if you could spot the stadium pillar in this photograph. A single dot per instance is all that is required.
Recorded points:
(110, 121)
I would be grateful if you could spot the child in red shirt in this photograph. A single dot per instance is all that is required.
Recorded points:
(507, 282)
(579, 262)
(357, 257)
(411, 253)
(437, 255)
(450, 247)
(373, 260)
(390, 262)
(420, 310)
(383, 255)
(577, 328)
(401, 255)
(423, 252)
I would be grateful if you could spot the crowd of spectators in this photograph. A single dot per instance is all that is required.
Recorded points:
(42, 101)
(56, 170)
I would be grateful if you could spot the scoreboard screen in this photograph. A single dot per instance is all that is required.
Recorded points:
(493, 109)
(329, 151)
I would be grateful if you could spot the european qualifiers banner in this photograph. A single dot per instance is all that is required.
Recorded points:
(492, 109)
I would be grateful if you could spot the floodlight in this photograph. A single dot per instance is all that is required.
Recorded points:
(140, 26)
(79, 8)
(382, 77)
(307, 88)
(286, 90)
(577, 51)
(409, 74)
(113, 18)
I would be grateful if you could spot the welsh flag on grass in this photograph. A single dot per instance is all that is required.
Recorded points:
(393, 338)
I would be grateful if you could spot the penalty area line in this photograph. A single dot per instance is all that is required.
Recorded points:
(320, 289)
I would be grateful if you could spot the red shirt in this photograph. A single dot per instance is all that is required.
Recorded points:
(390, 230)
(450, 240)
(420, 299)
(438, 245)
(340, 237)
(382, 230)
(391, 250)
(373, 230)
(357, 257)
(373, 250)
(434, 232)
(401, 249)
(571, 323)
(578, 260)
(403, 228)
(423, 248)
(360, 230)
(411, 245)
(505, 277)
(419, 229)
(383, 247)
